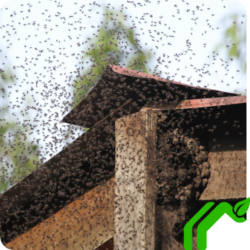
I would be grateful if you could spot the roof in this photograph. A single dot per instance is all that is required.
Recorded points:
(90, 158)
(85, 165)
(79, 167)
(118, 85)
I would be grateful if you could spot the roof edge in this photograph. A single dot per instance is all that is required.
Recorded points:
(198, 103)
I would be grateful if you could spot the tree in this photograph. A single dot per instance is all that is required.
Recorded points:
(18, 156)
(234, 40)
(113, 43)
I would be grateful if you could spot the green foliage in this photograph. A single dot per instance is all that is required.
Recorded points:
(17, 154)
(234, 40)
(110, 46)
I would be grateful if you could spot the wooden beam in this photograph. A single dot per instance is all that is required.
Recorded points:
(37, 181)
(227, 158)
(227, 176)
(197, 103)
(135, 181)
(84, 224)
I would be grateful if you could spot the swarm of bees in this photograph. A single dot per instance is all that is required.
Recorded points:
(182, 154)
(182, 163)
(183, 172)
(91, 160)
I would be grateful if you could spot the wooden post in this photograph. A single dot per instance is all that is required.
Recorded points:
(135, 181)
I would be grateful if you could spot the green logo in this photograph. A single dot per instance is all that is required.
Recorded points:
(236, 213)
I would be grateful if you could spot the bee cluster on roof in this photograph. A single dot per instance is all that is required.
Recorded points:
(182, 169)
(90, 160)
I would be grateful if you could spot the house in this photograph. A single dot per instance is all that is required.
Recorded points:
(73, 200)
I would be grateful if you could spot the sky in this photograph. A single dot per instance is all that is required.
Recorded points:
(44, 41)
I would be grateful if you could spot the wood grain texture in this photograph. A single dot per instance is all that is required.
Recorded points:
(165, 219)
(197, 103)
(84, 224)
(227, 176)
(135, 181)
